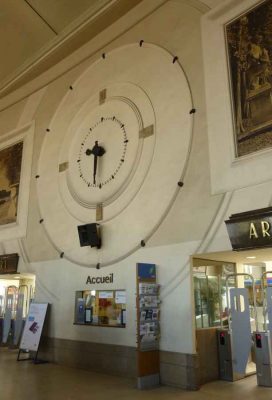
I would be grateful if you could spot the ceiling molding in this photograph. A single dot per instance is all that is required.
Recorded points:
(79, 41)
(83, 29)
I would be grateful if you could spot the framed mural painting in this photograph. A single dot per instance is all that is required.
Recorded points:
(10, 173)
(249, 50)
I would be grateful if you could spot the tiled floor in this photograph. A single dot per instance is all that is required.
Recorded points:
(25, 381)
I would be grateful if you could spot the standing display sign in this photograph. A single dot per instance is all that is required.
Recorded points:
(33, 329)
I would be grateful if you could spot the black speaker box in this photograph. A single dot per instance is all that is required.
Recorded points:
(89, 235)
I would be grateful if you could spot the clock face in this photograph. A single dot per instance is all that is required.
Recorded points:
(106, 138)
(123, 153)
(103, 152)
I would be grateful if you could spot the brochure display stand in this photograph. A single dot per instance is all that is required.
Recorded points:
(32, 332)
(148, 326)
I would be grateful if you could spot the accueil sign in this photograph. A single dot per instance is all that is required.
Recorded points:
(99, 279)
(252, 229)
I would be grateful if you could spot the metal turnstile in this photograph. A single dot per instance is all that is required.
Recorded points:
(262, 339)
(225, 358)
(235, 343)
(11, 299)
(263, 355)
(21, 311)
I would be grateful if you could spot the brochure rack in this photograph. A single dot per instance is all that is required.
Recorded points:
(148, 326)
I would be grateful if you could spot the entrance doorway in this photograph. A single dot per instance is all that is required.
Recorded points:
(16, 293)
(212, 299)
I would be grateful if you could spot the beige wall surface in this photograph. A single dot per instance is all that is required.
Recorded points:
(195, 222)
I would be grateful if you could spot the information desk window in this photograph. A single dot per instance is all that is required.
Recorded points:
(101, 308)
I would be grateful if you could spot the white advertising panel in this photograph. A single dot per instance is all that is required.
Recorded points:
(106, 295)
(120, 297)
(33, 326)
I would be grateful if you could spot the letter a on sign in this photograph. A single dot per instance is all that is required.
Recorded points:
(252, 231)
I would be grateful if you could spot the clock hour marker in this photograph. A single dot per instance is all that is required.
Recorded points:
(63, 166)
(146, 132)
(122, 160)
(100, 186)
(112, 176)
(102, 96)
(126, 141)
(102, 119)
(99, 212)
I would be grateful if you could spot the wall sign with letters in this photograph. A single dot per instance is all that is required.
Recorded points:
(9, 263)
(99, 279)
(251, 229)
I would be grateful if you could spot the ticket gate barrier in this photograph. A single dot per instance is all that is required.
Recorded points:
(262, 339)
(21, 308)
(11, 298)
(224, 350)
(235, 343)
(262, 344)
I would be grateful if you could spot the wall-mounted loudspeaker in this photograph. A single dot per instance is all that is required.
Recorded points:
(89, 235)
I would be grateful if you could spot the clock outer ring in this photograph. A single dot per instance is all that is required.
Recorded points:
(151, 68)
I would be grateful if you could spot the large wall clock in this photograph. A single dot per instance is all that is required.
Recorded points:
(115, 151)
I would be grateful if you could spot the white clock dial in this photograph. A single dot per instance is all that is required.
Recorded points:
(113, 130)
(102, 152)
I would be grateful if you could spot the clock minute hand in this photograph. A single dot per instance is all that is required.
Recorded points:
(97, 151)
(95, 168)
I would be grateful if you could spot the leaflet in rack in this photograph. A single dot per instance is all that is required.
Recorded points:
(149, 327)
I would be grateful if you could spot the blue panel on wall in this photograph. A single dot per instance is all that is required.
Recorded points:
(146, 271)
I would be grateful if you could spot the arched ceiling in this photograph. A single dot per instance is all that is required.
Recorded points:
(36, 34)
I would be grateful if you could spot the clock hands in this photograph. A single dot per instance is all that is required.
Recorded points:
(97, 151)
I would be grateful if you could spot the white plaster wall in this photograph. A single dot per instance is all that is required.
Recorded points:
(195, 224)
(176, 27)
(57, 281)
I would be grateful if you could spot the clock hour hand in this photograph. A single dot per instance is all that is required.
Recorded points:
(97, 151)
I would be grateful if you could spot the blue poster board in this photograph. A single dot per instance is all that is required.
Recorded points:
(146, 271)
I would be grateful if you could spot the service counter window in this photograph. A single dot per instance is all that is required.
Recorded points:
(101, 308)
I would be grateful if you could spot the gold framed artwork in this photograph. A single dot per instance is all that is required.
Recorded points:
(10, 173)
(249, 52)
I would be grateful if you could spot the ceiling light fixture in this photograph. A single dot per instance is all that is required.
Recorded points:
(251, 257)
